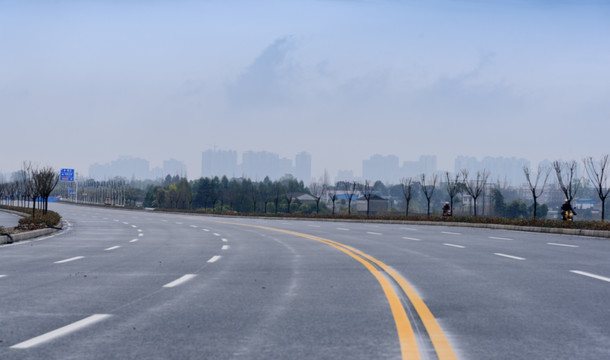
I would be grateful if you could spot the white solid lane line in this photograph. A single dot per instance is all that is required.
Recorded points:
(179, 281)
(68, 260)
(456, 246)
(564, 245)
(61, 331)
(598, 277)
(410, 238)
(214, 259)
(112, 248)
(509, 256)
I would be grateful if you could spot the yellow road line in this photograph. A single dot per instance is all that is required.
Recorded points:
(437, 336)
(408, 344)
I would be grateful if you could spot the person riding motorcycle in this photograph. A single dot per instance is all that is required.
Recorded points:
(567, 211)
(446, 209)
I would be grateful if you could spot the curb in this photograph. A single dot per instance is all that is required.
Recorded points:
(11, 238)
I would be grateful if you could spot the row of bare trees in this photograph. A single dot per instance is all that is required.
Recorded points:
(31, 183)
(568, 180)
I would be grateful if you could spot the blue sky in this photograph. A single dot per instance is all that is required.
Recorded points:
(89, 81)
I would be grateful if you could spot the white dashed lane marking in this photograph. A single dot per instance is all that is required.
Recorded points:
(61, 331)
(564, 245)
(179, 281)
(500, 238)
(456, 246)
(70, 259)
(509, 256)
(594, 276)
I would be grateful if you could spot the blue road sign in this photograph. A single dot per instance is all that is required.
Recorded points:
(66, 175)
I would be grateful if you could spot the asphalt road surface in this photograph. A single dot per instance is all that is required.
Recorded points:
(8, 219)
(118, 284)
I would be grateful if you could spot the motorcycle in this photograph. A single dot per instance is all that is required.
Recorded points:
(568, 215)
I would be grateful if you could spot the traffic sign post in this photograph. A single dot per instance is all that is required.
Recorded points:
(68, 175)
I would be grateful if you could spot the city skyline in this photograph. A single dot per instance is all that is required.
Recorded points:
(387, 168)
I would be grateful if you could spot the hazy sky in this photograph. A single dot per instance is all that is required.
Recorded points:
(88, 81)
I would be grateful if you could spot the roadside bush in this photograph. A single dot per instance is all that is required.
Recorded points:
(39, 221)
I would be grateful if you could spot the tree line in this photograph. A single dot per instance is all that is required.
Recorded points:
(30, 184)
(421, 194)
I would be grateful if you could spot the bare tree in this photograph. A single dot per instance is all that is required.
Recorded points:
(453, 187)
(566, 176)
(332, 194)
(367, 193)
(351, 189)
(407, 190)
(475, 187)
(46, 179)
(317, 190)
(598, 174)
(428, 188)
(534, 185)
(29, 187)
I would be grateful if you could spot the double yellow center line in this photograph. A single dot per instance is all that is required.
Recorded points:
(408, 343)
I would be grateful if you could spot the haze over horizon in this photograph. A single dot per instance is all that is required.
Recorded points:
(85, 82)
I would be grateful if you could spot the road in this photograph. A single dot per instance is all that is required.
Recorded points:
(8, 219)
(120, 284)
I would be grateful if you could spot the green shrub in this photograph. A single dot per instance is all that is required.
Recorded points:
(39, 221)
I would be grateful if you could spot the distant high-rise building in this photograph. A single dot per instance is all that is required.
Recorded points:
(302, 167)
(504, 170)
(174, 167)
(126, 167)
(257, 165)
(219, 163)
(378, 167)
(425, 165)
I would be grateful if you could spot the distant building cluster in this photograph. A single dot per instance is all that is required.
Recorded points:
(504, 170)
(387, 169)
(255, 165)
(136, 168)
